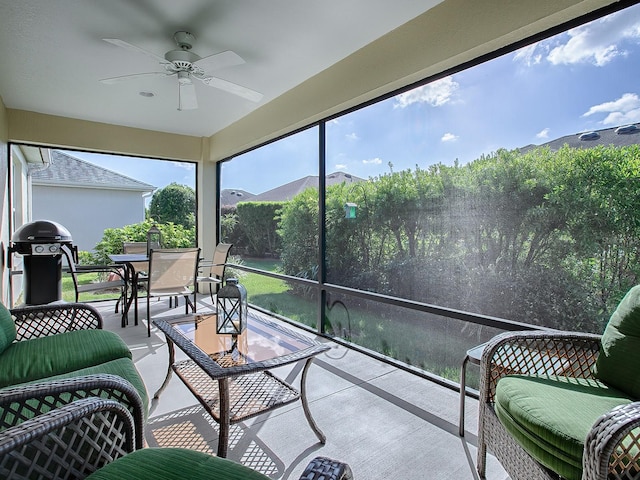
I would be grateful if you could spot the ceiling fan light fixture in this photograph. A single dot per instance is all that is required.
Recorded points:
(184, 78)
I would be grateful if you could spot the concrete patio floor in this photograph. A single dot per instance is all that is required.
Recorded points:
(382, 421)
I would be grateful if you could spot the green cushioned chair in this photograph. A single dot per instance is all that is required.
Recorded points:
(93, 438)
(564, 404)
(63, 347)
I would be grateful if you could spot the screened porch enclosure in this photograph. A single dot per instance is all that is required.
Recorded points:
(424, 223)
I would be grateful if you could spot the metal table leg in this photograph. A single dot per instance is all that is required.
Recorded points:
(172, 358)
(473, 355)
(305, 406)
(463, 391)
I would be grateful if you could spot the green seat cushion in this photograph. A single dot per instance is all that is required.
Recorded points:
(44, 357)
(617, 363)
(7, 328)
(123, 367)
(550, 417)
(173, 463)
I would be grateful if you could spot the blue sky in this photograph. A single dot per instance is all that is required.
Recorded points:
(585, 79)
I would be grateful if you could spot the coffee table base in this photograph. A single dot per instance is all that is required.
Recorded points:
(248, 396)
(230, 387)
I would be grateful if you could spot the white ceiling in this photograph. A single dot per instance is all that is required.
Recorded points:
(52, 55)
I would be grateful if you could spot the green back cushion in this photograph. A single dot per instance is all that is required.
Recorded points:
(44, 357)
(174, 464)
(617, 364)
(7, 328)
(540, 414)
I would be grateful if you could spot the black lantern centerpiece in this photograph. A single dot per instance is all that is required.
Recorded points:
(231, 305)
(154, 238)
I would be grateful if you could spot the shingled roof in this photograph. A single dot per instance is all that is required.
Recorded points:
(229, 197)
(289, 190)
(66, 170)
(616, 136)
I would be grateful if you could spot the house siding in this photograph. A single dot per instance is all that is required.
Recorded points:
(87, 212)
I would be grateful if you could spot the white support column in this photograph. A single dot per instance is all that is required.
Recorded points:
(207, 215)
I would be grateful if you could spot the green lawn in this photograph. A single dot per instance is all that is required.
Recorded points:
(68, 291)
(273, 294)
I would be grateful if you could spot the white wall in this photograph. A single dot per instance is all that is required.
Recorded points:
(4, 201)
(87, 212)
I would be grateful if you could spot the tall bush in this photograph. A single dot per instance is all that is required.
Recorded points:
(544, 237)
(258, 223)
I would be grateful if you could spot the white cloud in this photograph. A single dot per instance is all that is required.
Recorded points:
(373, 161)
(529, 55)
(598, 42)
(544, 133)
(625, 109)
(449, 137)
(435, 94)
(188, 166)
(352, 136)
(619, 118)
(341, 166)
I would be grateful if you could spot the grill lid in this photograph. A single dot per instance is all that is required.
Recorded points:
(41, 231)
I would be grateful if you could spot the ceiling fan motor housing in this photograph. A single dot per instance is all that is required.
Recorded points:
(185, 40)
(178, 57)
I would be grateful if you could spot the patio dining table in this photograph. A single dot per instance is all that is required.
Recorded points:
(128, 261)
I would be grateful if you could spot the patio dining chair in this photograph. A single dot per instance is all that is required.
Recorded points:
(172, 273)
(113, 276)
(94, 437)
(215, 268)
(140, 268)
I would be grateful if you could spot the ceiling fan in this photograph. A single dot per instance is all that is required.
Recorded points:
(186, 65)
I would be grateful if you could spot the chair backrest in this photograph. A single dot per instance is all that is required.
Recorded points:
(173, 268)
(220, 256)
(103, 428)
(136, 247)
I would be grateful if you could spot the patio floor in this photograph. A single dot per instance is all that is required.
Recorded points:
(382, 421)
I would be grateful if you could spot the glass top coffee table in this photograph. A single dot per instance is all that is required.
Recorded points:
(229, 375)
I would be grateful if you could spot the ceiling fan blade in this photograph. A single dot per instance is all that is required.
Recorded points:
(187, 96)
(121, 43)
(232, 88)
(124, 78)
(219, 60)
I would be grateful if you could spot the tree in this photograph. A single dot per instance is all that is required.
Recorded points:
(174, 204)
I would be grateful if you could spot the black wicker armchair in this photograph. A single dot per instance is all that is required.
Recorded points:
(24, 402)
(94, 438)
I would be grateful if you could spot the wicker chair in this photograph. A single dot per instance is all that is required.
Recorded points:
(611, 449)
(26, 401)
(94, 438)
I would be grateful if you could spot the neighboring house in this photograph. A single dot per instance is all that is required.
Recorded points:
(86, 198)
(229, 197)
(616, 136)
(289, 190)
